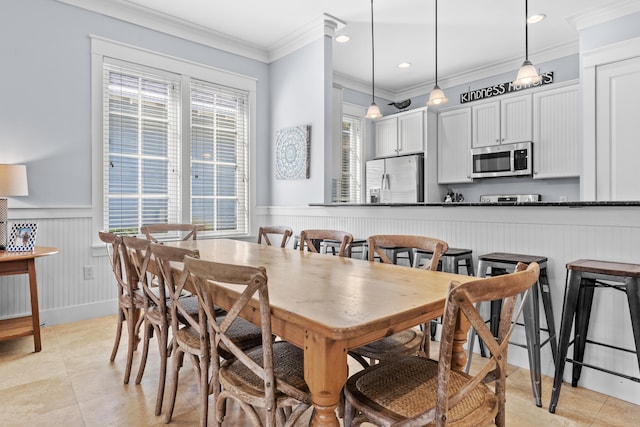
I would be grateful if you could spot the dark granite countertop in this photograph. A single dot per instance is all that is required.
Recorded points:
(579, 204)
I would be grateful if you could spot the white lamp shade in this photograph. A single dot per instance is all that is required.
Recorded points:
(13, 180)
(437, 97)
(373, 112)
(527, 75)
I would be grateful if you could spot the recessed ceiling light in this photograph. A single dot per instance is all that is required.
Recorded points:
(534, 19)
(343, 38)
(404, 65)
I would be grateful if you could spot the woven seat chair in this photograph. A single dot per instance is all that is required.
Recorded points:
(188, 339)
(130, 302)
(413, 391)
(410, 341)
(170, 232)
(270, 376)
(275, 230)
(155, 313)
(309, 239)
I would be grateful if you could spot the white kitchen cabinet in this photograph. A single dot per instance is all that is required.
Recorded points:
(504, 121)
(556, 129)
(400, 134)
(454, 146)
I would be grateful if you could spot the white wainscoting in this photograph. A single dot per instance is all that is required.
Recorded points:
(63, 294)
(562, 234)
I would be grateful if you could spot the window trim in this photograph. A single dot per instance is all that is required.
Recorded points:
(101, 48)
(358, 111)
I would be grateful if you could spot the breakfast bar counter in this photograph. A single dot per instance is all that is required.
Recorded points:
(561, 231)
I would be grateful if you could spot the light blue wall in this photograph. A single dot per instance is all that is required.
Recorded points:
(624, 28)
(299, 97)
(46, 100)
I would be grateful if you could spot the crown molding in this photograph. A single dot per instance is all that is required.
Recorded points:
(153, 20)
(352, 83)
(604, 13)
(324, 25)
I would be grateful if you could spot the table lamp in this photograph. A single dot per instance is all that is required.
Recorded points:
(13, 182)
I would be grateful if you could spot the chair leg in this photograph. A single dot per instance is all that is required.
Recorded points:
(545, 292)
(583, 314)
(162, 347)
(633, 297)
(566, 323)
(204, 388)
(178, 357)
(116, 344)
(131, 327)
(349, 413)
(532, 332)
(148, 333)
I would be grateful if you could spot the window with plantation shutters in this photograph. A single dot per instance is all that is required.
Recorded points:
(141, 148)
(174, 149)
(348, 190)
(218, 157)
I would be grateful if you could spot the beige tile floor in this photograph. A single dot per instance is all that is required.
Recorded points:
(72, 383)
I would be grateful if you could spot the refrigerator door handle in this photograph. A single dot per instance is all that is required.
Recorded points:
(382, 187)
(386, 180)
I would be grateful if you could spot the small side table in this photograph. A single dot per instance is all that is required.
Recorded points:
(24, 263)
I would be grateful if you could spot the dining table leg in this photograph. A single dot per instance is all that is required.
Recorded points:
(459, 355)
(325, 371)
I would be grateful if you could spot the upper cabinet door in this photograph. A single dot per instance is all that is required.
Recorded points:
(386, 137)
(556, 133)
(411, 128)
(486, 124)
(516, 120)
(454, 146)
(502, 122)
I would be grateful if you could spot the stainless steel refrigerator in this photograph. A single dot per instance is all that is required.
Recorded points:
(395, 179)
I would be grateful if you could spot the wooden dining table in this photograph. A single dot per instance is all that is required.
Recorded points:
(327, 305)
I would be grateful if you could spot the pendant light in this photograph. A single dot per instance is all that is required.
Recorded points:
(437, 96)
(374, 111)
(527, 75)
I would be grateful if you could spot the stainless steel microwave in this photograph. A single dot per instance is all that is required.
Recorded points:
(502, 160)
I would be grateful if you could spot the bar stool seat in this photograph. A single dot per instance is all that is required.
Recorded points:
(334, 246)
(452, 260)
(392, 253)
(583, 277)
(501, 263)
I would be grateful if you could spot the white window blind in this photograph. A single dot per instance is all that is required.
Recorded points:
(141, 147)
(219, 138)
(143, 179)
(351, 169)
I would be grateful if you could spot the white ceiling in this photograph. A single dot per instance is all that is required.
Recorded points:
(472, 34)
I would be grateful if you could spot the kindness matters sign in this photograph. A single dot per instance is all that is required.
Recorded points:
(502, 89)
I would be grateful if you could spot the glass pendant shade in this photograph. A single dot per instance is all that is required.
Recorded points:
(437, 97)
(373, 112)
(527, 75)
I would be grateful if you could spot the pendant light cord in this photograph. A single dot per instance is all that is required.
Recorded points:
(526, 30)
(436, 42)
(373, 59)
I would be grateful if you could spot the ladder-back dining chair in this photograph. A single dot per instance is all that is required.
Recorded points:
(410, 341)
(312, 240)
(157, 232)
(414, 391)
(266, 233)
(130, 302)
(270, 376)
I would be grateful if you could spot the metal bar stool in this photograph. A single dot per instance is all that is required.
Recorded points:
(501, 263)
(357, 244)
(392, 253)
(451, 261)
(583, 276)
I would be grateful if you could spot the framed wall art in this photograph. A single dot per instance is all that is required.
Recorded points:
(22, 237)
(293, 148)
